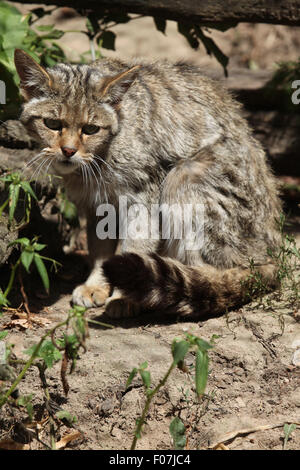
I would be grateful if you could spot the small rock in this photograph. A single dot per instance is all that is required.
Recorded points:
(296, 358)
(296, 343)
(116, 433)
(107, 407)
(240, 402)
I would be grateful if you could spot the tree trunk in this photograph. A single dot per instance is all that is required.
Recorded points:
(204, 12)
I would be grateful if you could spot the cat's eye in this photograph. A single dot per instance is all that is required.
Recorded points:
(90, 129)
(54, 124)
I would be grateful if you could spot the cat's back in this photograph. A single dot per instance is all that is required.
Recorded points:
(179, 80)
(177, 103)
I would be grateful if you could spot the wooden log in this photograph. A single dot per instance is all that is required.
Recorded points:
(205, 12)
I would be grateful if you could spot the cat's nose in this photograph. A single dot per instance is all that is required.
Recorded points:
(68, 151)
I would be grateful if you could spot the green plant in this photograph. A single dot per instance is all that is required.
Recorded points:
(16, 187)
(194, 34)
(288, 429)
(286, 258)
(18, 31)
(179, 351)
(30, 252)
(67, 208)
(255, 286)
(177, 431)
(14, 184)
(44, 355)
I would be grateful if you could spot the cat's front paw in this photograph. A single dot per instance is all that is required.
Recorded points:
(120, 308)
(90, 296)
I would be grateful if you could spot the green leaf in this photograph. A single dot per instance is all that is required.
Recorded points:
(21, 241)
(295, 251)
(26, 259)
(179, 350)
(212, 48)
(14, 190)
(4, 333)
(201, 372)
(78, 309)
(144, 365)
(91, 26)
(28, 189)
(16, 32)
(65, 415)
(177, 431)
(146, 378)
(26, 401)
(202, 344)
(68, 209)
(3, 300)
(47, 27)
(48, 352)
(13, 29)
(39, 246)
(131, 376)
(189, 33)
(107, 40)
(54, 34)
(160, 24)
(288, 429)
(42, 271)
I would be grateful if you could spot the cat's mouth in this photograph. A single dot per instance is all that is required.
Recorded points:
(65, 166)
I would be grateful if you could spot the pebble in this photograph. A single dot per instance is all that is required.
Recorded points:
(296, 358)
(240, 402)
(296, 343)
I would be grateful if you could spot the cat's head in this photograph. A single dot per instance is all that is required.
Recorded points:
(72, 110)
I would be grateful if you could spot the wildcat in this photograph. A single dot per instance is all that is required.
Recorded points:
(158, 133)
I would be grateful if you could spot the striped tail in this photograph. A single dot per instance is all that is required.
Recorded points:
(165, 284)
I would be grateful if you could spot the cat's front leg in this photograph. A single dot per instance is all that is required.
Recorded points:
(95, 291)
(116, 306)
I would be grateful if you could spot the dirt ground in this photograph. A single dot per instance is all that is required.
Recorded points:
(254, 378)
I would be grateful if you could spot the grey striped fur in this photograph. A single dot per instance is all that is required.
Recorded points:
(168, 134)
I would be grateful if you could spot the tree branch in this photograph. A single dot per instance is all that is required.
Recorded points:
(204, 12)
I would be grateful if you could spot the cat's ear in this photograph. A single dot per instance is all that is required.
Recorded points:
(34, 80)
(114, 88)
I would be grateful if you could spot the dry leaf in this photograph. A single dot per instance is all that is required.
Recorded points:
(38, 424)
(221, 447)
(20, 320)
(242, 432)
(68, 438)
(19, 323)
(10, 444)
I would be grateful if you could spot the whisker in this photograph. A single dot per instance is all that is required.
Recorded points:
(91, 168)
(102, 180)
(103, 161)
(47, 169)
(84, 176)
(33, 160)
(38, 170)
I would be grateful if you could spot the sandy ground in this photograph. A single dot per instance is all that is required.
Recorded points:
(253, 380)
